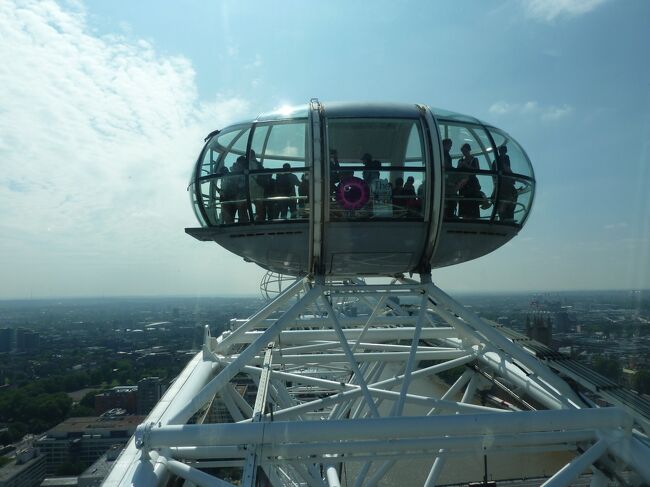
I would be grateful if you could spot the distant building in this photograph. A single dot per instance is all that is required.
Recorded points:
(540, 328)
(27, 470)
(119, 397)
(84, 440)
(564, 322)
(150, 390)
(6, 340)
(26, 340)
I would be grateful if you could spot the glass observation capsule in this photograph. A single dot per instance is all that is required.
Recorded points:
(368, 189)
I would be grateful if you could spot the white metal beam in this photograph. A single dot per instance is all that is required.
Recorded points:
(573, 469)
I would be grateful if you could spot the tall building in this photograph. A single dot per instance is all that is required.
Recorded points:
(150, 390)
(26, 470)
(25, 340)
(564, 322)
(540, 328)
(84, 440)
(6, 339)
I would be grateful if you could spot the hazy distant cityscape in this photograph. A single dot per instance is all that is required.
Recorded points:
(78, 375)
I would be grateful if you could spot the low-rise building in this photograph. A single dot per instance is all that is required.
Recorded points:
(123, 397)
(26, 470)
(84, 440)
(94, 475)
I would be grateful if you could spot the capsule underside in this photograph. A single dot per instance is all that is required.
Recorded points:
(360, 189)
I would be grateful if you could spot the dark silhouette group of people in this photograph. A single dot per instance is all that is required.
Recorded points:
(386, 199)
(282, 195)
(464, 197)
(271, 197)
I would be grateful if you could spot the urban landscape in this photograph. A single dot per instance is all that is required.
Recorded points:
(78, 375)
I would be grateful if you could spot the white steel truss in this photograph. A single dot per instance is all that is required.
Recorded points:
(347, 383)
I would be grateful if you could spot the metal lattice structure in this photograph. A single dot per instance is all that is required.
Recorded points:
(406, 387)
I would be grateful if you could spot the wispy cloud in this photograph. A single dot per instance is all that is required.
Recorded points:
(616, 226)
(97, 138)
(531, 108)
(256, 63)
(550, 10)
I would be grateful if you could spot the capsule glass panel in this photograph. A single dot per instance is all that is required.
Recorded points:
(279, 195)
(376, 169)
(511, 157)
(480, 147)
(470, 174)
(221, 178)
(273, 145)
(278, 177)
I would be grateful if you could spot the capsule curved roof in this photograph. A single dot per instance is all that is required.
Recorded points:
(371, 110)
(363, 109)
(455, 116)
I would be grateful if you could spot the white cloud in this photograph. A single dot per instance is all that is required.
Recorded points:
(549, 10)
(531, 108)
(97, 139)
(556, 113)
(616, 226)
(255, 64)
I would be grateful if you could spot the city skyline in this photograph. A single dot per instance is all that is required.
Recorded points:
(105, 108)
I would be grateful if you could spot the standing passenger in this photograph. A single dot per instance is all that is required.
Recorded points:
(285, 189)
(239, 187)
(450, 180)
(258, 186)
(409, 197)
(507, 194)
(469, 188)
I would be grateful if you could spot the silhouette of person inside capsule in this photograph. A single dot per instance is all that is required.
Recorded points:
(237, 184)
(469, 188)
(372, 171)
(409, 197)
(370, 174)
(259, 185)
(285, 189)
(507, 193)
(227, 195)
(451, 183)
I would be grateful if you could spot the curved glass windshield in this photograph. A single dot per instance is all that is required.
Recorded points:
(267, 182)
(511, 153)
(488, 177)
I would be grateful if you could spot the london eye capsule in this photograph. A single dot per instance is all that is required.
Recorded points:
(360, 189)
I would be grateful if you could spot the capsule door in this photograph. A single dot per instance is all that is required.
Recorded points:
(376, 195)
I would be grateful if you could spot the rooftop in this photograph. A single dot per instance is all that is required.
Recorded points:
(88, 425)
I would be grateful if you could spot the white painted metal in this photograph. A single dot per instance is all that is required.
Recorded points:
(355, 397)
(572, 470)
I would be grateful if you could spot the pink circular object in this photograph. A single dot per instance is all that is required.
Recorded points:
(353, 193)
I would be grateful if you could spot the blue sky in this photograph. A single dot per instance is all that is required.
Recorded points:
(104, 106)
